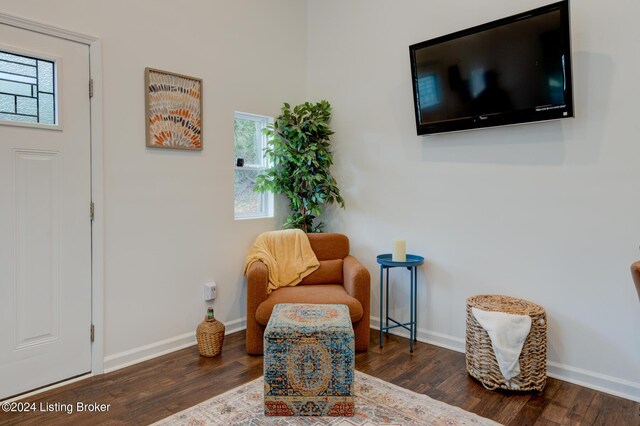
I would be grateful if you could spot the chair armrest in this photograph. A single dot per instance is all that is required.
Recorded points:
(357, 281)
(257, 284)
(635, 272)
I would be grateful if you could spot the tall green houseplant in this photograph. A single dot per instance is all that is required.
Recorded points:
(298, 149)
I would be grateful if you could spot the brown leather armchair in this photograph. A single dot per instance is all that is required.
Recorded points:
(635, 272)
(340, 279)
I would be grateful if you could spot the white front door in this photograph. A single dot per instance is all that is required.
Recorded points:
(45, 194)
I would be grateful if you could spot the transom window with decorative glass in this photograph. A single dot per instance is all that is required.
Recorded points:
(249, 161)
(27, 89)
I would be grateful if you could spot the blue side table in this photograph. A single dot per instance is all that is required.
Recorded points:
(412, 263)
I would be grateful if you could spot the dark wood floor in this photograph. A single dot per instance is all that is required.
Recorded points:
(152, 390)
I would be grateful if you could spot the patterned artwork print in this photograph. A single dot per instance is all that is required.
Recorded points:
(309, 361)
(174, 111)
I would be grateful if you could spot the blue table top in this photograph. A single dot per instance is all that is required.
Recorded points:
(412, 260)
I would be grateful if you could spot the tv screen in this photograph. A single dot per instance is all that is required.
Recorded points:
(513, 70)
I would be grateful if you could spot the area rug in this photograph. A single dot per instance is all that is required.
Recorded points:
(378, 403)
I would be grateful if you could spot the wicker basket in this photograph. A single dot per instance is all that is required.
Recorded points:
(481, 360)
(210, 336)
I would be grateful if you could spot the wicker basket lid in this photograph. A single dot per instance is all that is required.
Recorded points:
(506, 304)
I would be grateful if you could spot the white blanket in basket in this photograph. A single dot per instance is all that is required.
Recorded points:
(508, 333)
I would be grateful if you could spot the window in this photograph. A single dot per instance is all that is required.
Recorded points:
(27, 89)
(428, 89)
(249, 161)
(477, 81)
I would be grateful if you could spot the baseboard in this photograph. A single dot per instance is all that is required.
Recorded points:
(427, 336)
(235, 326)
(163, 347)
(589, 379)
(146, 352)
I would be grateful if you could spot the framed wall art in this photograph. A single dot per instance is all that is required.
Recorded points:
(173, 110)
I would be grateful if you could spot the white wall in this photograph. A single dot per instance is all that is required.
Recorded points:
(169, 215)
(549, 212)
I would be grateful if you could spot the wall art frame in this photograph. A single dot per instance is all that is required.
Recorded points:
(173, 110)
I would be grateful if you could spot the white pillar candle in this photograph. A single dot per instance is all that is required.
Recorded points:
(399, 251)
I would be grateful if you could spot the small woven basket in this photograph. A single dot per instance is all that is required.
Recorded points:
(481, 360)
(210, 336)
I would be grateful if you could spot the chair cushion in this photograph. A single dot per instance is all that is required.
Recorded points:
(317, 294)
(330, 271)
(329, 246)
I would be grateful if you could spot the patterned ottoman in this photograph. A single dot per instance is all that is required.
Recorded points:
(308, 361)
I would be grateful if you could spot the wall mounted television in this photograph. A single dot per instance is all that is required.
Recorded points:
(513, 70)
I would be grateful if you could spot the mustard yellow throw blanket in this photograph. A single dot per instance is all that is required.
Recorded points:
(287, 254)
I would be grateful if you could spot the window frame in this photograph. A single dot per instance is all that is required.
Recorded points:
(267, 203)
(57, 84)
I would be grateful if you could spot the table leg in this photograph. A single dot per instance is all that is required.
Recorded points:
(387, 302)
(415, 303)
(411, 314)
(380, 295)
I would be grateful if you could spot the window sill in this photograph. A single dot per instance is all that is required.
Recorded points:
(253, 217)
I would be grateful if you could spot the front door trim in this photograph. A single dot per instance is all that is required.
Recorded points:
(97, 176)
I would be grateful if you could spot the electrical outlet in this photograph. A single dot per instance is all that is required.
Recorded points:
(210, 291)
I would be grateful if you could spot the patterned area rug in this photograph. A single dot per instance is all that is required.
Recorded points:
(378, 403)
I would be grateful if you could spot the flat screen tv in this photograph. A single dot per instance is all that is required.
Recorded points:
(509, 71)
